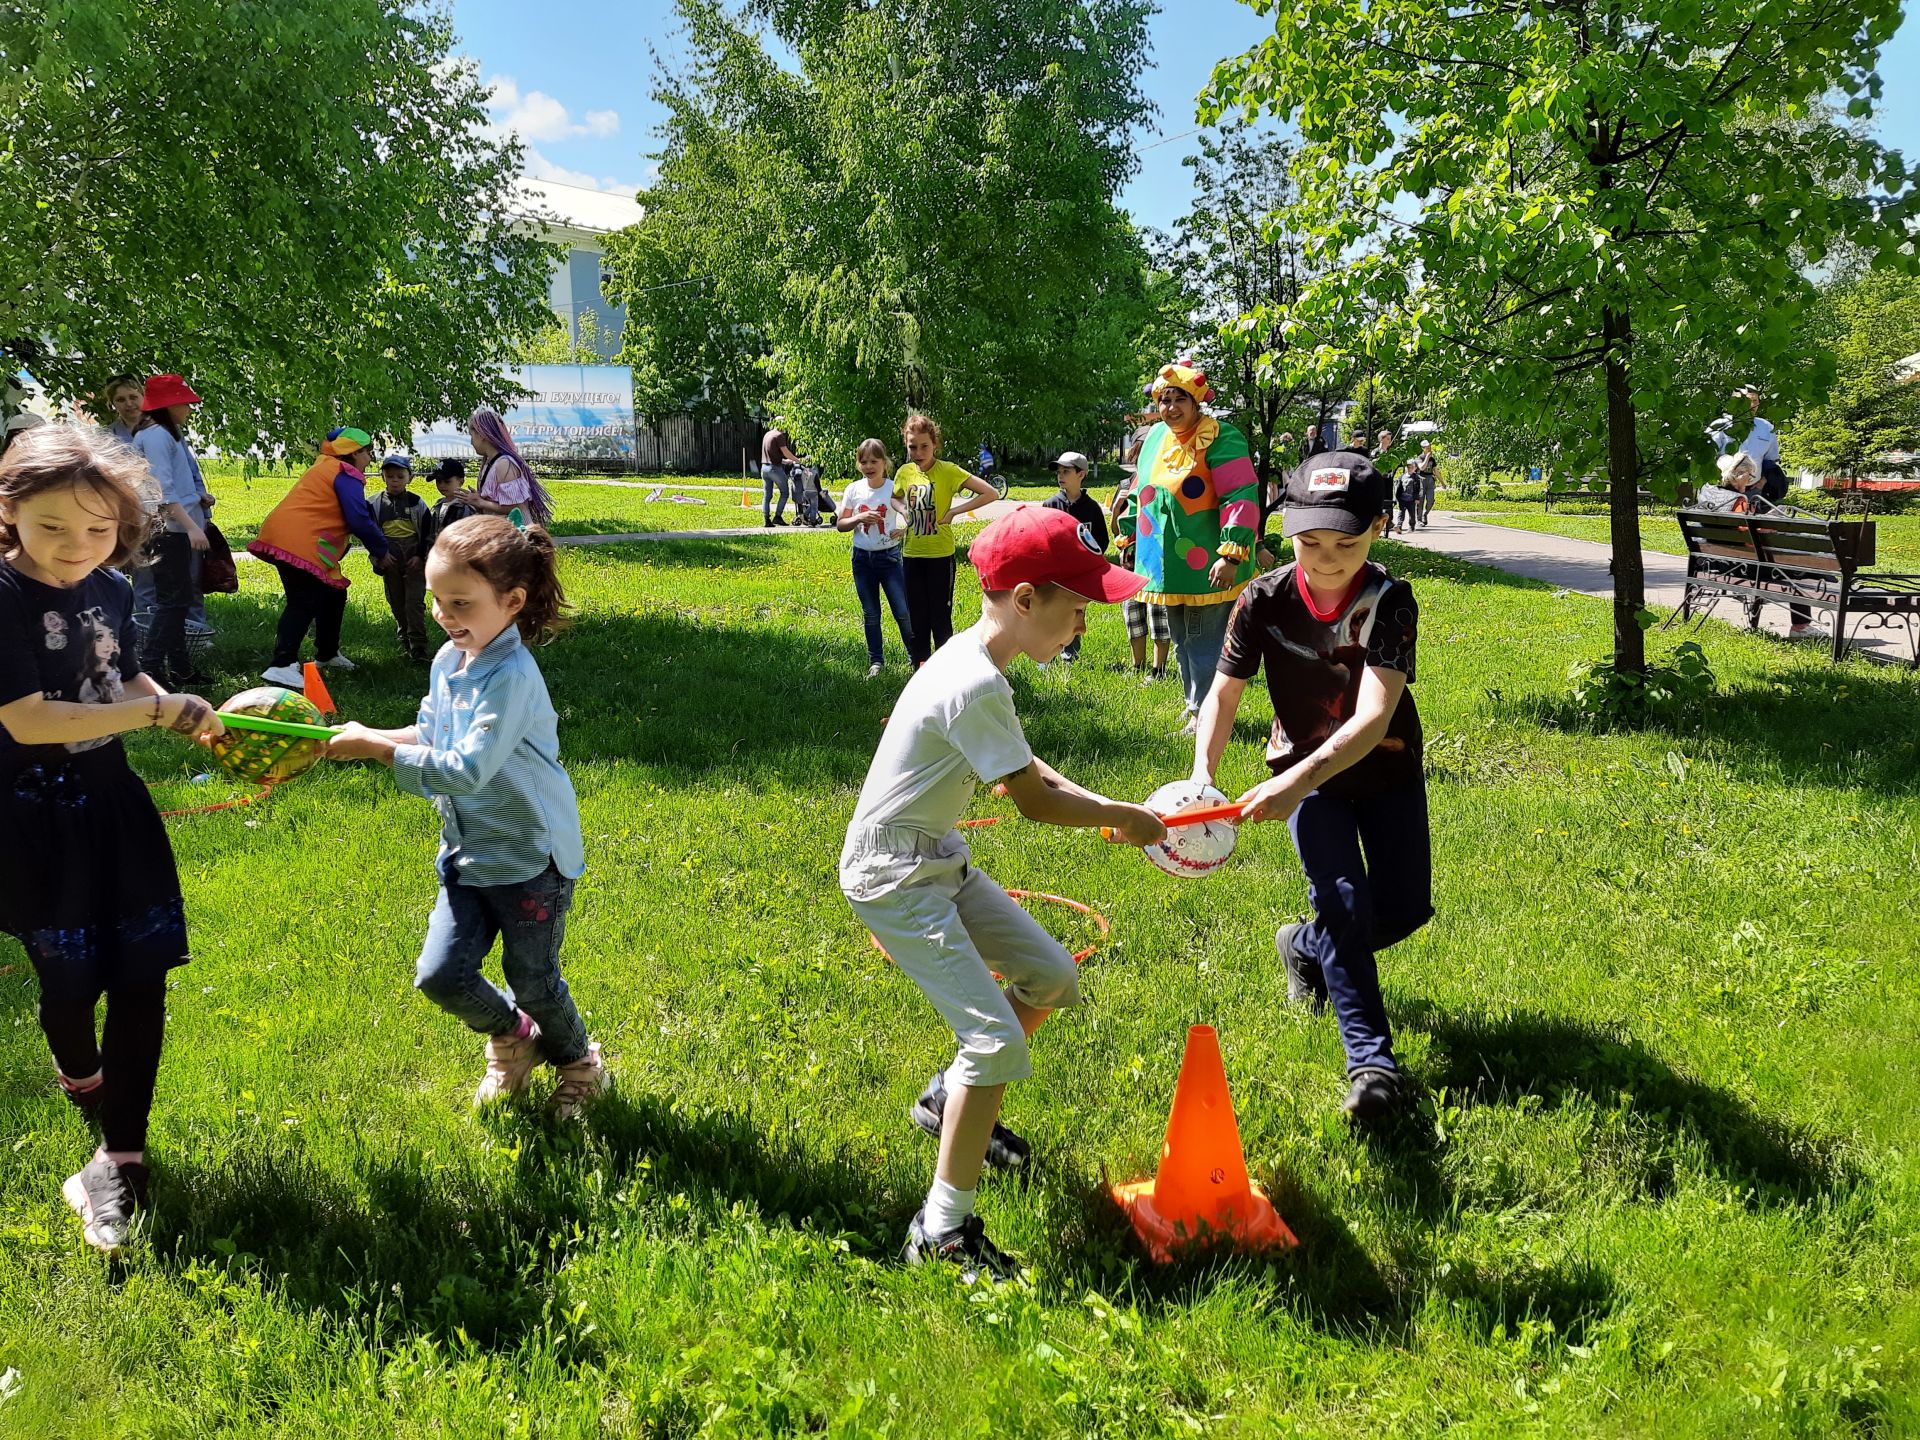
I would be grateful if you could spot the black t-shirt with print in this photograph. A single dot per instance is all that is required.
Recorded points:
(77, 645)
(1314, 664)
(1087, 510)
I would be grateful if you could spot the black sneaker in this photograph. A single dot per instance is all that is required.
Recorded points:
(106, 1197)
(1375, 1095)
(1306, 982)
(968, 1247)
(190, 682)
(1005, 1150)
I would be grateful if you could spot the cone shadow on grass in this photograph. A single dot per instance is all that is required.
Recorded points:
(409, 1245)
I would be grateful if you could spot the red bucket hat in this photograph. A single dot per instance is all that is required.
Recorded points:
(165, 390)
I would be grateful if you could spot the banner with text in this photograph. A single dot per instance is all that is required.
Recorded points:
(579, 411)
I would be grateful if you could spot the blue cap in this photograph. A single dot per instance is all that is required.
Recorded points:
(400, 458)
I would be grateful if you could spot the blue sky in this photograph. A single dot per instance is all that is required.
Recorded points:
(574, 78)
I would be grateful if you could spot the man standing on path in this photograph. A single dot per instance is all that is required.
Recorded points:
(776, 466)
(1427, 466)
(1312, 445)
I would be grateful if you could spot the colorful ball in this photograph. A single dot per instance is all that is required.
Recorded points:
(1191, 850)
(268, 759)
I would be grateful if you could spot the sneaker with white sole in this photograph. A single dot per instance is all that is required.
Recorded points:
(338, 662)
(200, 630)
(510, 1060)
(106, 1196)
(288, 676)
(581, 1083)
(968, 1247)
(1005, 1150)
(874, 671)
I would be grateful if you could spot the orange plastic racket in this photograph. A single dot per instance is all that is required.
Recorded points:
(1201, 815)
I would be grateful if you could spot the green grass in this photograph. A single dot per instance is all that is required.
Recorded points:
(1668, 1183)
(579, 508)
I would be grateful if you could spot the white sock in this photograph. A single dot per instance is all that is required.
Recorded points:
(946, 1207)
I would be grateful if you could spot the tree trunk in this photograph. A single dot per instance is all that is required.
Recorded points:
(1623, 504)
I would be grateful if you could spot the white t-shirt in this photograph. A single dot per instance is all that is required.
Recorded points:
(953, 728)
(1761, 442)
(881, 529)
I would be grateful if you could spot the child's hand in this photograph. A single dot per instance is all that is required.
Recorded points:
(188, 715)
(1138, 826)
(1274, 799)
(354, 741)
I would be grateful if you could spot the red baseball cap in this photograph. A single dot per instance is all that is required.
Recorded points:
(165, 390)
(1043, 546)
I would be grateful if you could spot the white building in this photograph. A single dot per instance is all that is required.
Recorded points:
(580, 219)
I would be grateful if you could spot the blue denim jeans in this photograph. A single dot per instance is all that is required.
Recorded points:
(873, 572)
(530, 919)
(771, 476)
(1362, 903)
(1198, 633)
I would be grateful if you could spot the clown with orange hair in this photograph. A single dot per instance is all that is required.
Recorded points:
(1194, 520)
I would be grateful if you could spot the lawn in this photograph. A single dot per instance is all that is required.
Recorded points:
(1667, 1181)
(581, 507)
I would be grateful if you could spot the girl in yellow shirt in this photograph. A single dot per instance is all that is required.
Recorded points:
(928, 486)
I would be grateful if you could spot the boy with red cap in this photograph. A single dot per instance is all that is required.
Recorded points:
(906, 871)
(1336, 633)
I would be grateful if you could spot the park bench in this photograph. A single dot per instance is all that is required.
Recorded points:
(1820, 563)
(1594, 489)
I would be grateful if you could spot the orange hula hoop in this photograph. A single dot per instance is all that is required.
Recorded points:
(234, 804)
(1080, 957)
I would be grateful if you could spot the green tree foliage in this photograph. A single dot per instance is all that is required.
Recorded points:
(919, 215)
(1573, 203)
(555, 344)
(297, 207)
(1871, 324)
(1243, 264)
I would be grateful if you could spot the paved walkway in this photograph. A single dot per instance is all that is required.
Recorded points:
(1583, 566)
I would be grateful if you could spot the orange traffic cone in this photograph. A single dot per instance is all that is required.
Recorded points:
(316, 689)
(1202, 1196)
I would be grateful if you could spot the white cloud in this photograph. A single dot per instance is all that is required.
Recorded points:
(539, 167)
(536, 115)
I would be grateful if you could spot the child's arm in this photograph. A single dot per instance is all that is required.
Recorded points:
(354, 741)
(983, 494)
(36, 720)
(503, 713)
(1215, 726)
(1380, 691)
(1044, 794)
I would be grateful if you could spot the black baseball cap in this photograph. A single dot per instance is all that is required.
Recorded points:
(1335, 490)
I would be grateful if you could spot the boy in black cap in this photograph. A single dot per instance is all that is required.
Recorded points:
(1336, 634)
(403, 519)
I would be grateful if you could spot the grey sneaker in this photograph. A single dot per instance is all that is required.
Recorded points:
(106, 1197)
(968, 1247)
(1306, 985)
(1005, 1150)
(1376, 1094)
(338, 662)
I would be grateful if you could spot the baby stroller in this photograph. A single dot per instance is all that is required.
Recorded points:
(810, 493)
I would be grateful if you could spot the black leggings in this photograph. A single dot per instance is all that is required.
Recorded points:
(311, 602)
(173, 595)
(128, 1052)
(930, 602)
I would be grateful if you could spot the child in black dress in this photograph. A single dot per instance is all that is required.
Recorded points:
(87, 880)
